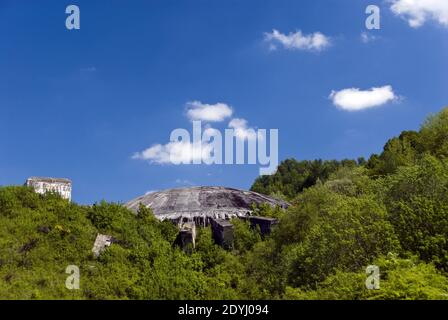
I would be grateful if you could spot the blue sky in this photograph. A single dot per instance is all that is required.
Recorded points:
(80, 103)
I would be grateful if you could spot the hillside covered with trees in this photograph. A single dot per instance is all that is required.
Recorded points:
(390, 211)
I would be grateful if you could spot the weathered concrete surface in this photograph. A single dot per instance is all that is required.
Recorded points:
(102, 241)
(264, 223)
(186, 239)
(223, 233)
(199, 204)
(43, 185)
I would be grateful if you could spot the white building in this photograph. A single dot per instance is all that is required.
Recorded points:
(43, 185)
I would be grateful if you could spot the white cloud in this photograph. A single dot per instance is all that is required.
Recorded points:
(242, 131)
(176, 153)
(367, 37)
(184, 182)
(354, 99)
(297, 40)
(197, 110)
(417, 12)
(89, 69)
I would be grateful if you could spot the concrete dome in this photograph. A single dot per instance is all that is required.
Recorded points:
(200, 203)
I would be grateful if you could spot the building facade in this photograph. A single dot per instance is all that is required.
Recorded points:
(43, 185)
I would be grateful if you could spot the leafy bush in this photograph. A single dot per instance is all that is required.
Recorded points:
(400, 279)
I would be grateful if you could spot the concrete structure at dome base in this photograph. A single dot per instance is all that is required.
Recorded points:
(186, 239)
(264, 223)
(222, 232)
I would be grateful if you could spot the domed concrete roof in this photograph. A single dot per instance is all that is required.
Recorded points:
(202, 202)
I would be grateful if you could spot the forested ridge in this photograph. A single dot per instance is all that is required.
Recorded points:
(390, 210)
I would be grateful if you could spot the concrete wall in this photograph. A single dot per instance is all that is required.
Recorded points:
(186, 239)
(264, 223)
(222, 232)
(44, 185)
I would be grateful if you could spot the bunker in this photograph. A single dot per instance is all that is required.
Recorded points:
(204, 206)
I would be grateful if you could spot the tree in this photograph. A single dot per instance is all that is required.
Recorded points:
(293, 176)
(417, 202)
(327, 231)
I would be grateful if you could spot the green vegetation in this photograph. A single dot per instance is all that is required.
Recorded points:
(292, 176)
(390, 211)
